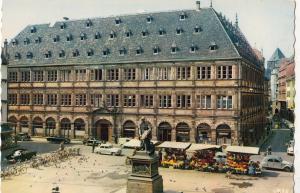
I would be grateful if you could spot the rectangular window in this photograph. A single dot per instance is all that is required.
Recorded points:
(163, 73)
(129, 74)
(65, 75)
(183, 73)
(66, 100)
(13, 76)
(183, 101)
(12, 99)
(80, 99)
(52, 99)
(224, 102)
(112, 100)
(96, 74)
(25, 76)
(146, 101)
(38, 76)
(96, 100)
(38, 99)
(203, 101)
(24, 99)
(203, 72)
(165, 101)
(146, 74)
(112, 74)
(224, 72)
(52, 75)
(129, 101)
(80, 75)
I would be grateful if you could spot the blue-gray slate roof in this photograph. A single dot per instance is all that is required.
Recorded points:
(214, 30)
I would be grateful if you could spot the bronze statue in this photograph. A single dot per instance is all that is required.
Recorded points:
(145, 137)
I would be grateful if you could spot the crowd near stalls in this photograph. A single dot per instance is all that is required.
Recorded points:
(205, 157)
(239, 162)
(209, 158)
(173, 154)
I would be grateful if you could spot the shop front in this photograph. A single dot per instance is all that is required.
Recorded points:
(129, 129)
(182, 132)
(223, 134)
(164, 132)
(203, 133)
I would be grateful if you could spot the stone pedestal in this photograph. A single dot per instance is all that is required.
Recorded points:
(144, 177)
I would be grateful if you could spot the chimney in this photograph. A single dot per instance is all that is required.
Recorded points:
(5, 47)
(198, 5)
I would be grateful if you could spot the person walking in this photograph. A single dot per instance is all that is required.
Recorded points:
(269, 150)
(93, 146)
(62, 146)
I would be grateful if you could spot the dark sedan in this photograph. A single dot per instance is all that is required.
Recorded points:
(57, 139)
(23, 137)
(20, 154)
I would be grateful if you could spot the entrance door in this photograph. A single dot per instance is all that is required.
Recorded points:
(102, 128)
(104, 132)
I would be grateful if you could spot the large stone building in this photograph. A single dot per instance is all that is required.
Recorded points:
(191, 74)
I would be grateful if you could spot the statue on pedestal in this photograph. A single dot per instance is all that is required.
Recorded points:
(145, 137)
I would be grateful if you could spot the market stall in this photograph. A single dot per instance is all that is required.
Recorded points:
(239, 162)
(135, 143)
(173, 153)
(203, 157)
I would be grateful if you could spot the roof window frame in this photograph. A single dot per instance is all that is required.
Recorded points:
(138, 51)
(179, 31)
(105, 52)
(17, 56)
(62, 25)
(88, 23)
(112, 35)
(26, 41)
(161, 32)
(75, 53)
(14, 42)
(122, 51)
(38, 40)
(193, 48)
(56, 38)
(149, 19)
(97, 35)
(156, 50)
(83, 36)
(69, 37)
(118, 21)
(32, 29)
(48, 54)
(29, 55)
(197, 29)
(182, 16)
(213, 46)
(62, 54)
(90, 52)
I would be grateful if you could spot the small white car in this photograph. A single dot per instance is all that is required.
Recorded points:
(108, 149)
(220, 157)
(290, 148)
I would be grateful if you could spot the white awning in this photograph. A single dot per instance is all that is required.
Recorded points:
(136, 143)
(174, 145)
(197, 147)
(243, 149)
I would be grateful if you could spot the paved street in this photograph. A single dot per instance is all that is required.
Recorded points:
(103, 173)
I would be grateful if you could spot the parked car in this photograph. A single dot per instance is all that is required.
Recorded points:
(23, 137)
(57, 139)
(108, 149)
(123, 140)
(90, 141)
(220, 157)
(276, 162)
(20, 154)
(290, 147)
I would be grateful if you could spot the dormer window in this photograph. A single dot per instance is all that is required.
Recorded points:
(118, 21)
(17, 56)
(105, 52)
(48, 54)
(88, 23)
(174, 48)
(38, 40)
(161, 32)
(139, 50)
(122, 51)
(197, 29)
(90, 52)
(156, 50)
(14, 42)
(213, 46)
(62, 26)
(149, 19)
(32, 29)
(56, 38)
(29, 55)
(179, 31)
(69, 37)
(182, 16)
(112, 35)
(128, 33)
(97, 35)
(75, 53)
(145, 33)
(193, 48)
(26, 41)
(61, 54)
(83, 36)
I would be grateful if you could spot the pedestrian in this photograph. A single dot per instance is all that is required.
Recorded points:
(62, 146)
(160, 157)
(269, 150)
(93, 146)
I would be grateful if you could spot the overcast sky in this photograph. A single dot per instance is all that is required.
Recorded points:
(267, 24)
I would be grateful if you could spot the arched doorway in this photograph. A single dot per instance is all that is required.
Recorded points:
(164, 131)
(223, 134)
(65, 126)
(79, 128)
(37, 126)
(203, 133)
(102, 130)
(13, 122)
(50, 126)
(129, 129)
(24, 125)
(182, 132)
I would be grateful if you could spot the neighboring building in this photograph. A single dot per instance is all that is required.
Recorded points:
(272, 72)
(190, 73)
(4, 63)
